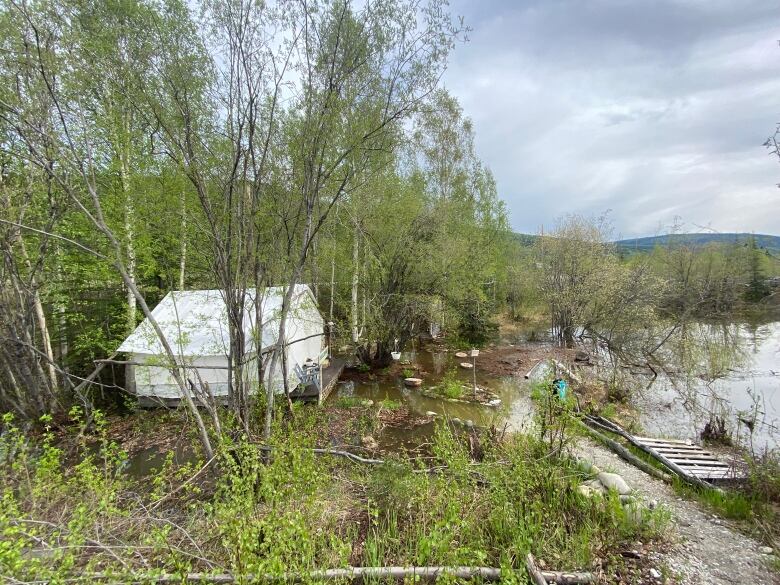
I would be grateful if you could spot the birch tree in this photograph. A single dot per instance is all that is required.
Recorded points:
(62, 139)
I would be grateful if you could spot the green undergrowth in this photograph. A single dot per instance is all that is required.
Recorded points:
(351, 402)
(390, 404)
(488, 502)
(450, 385)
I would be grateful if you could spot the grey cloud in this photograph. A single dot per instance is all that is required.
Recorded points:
(651, 109)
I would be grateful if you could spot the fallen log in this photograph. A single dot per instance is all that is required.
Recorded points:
(489, 574)
(358, 459)
(336, 453)
(533, 570)
(554, 365)
(625, 454)
(532, 372)
(563, 368)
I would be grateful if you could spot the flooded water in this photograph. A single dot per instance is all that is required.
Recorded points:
(748, 396)
(515, 409)
(151, 460)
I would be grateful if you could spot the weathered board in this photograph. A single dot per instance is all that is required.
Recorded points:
(692, 459)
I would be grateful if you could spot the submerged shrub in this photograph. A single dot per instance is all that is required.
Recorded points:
(450, 386)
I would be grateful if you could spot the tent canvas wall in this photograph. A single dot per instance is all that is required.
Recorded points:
(195, 325)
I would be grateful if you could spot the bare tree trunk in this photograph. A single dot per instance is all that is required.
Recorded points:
(355, 282)
(129, 235)
(62, 325)
(332, 286)
(183, 238)
(40, 318)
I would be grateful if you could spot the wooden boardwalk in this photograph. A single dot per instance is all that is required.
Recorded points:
(692, 459)
(690, 462)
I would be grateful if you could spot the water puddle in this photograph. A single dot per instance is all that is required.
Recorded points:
(514, 411)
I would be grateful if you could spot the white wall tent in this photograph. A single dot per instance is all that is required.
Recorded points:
(195, 325)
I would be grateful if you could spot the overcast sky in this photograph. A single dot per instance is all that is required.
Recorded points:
(651, 109)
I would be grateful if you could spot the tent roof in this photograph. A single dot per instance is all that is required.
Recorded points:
(195, 321)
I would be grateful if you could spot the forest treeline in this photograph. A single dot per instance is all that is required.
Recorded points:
(639, 306)
(149, 146)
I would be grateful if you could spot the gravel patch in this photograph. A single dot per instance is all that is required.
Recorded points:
(704, 548)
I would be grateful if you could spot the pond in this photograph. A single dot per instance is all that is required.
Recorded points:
(749, 392)
(747, 397)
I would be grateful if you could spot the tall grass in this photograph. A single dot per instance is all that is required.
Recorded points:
(297, 511)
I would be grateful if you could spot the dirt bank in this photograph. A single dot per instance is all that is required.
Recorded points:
(516, 360)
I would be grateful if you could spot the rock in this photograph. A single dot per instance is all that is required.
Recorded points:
(596, 485)
(655, 573)
(456, 420)
(494, 402)
(612, 481)
(588, 467)
(413, 382)
(431, 413)
(626, 500)
(588, 491)
(581, 356)
(652, 504)
(469, 424)
(634, 512)
(766, 550)
(369, 442)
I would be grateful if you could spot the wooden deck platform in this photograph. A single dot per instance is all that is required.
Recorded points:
(692, 459)
(330, 376)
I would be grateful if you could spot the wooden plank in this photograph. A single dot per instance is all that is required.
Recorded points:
(709, 466)
(683, 451)
(705, 466)
(700, 463)
(692, 456)
(679, 449)
(718, 472)
(672, 441)
(715, 470)
(689, 455)
(674, 447)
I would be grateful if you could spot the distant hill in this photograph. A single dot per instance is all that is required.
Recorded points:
(771, 243)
